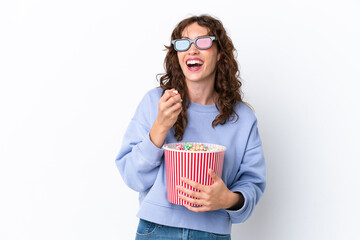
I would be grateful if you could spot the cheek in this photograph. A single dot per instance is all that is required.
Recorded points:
(213, 62)
(182, 63)
(180, 57)
(213, 57)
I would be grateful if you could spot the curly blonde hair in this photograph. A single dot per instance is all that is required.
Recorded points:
(227, 78)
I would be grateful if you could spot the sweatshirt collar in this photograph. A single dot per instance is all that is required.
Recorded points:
(202, 108)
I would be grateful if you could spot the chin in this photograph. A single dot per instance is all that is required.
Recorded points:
(193, 76)
(193, 79)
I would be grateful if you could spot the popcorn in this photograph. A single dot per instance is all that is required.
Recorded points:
(197, 147)
(179, 147)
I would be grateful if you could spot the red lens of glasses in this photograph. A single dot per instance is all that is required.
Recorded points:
(203, 42)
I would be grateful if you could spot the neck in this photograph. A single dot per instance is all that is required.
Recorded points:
(201, 93)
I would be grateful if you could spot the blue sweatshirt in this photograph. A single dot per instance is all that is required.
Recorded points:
(141, 164)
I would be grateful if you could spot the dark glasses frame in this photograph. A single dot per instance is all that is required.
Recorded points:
(173, 42)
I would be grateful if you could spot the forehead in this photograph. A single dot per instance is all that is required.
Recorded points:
(194, 30)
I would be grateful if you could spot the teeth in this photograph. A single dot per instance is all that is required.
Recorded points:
(194, 62)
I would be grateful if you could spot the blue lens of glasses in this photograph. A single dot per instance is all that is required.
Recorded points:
(182, 45)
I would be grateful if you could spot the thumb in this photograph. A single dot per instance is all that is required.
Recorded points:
(213, 175)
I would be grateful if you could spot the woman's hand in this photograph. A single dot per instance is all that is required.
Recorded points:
(169, 108)
(213, 197)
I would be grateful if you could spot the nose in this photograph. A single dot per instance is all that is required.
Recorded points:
(193, 50)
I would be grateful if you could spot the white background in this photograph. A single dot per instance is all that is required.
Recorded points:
(73, 71)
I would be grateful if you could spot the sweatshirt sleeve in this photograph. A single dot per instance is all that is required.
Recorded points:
(139, 159)
(251, 177)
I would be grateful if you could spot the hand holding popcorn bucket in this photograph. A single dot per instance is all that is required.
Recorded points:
(192, 164)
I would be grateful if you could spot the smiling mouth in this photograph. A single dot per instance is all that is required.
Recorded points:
(194, 64)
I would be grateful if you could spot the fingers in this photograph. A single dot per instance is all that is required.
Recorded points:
(173, 104)
(194, 184)
(191, 200)
(189, 192)
(213, 175)
(169, 109)
(191, 196)
(197, 209)
(169, 94)
(201, 204)
(170, 102)
(175, 99)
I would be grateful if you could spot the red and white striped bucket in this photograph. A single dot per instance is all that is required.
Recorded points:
(193, 165)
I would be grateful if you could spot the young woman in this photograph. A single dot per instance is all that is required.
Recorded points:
(207, 106)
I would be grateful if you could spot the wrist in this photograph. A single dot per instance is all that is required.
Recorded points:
(159, 127)
(236, 201)
(158, 134)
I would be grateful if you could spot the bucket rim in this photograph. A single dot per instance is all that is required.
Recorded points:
(166, 147)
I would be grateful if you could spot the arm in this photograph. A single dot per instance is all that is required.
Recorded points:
(139, 159)
(251, 178)
(169, 110)
(140, 155)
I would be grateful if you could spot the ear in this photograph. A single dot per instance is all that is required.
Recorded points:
(218, 57)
